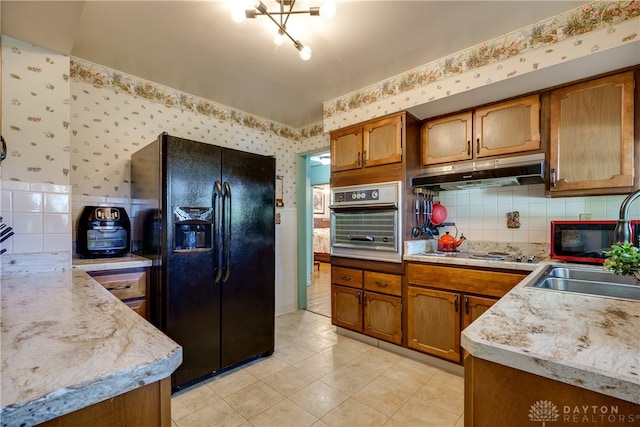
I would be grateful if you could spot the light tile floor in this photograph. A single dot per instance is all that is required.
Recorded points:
(319, 378)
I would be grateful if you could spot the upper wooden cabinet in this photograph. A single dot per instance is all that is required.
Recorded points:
(374, 143)
(591, 142)
(447, 139)
(505, 128)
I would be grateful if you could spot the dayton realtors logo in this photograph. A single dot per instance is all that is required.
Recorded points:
(546, 411)
(543, 410)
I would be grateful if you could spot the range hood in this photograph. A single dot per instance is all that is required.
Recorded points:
(502, 172)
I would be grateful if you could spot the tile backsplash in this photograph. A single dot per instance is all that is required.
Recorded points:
(482, 214)
(39, 215)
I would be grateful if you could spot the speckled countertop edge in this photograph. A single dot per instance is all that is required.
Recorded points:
(68, 343)
(587, 341)
(102, 264)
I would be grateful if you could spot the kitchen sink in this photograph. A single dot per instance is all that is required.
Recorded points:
(587, 281)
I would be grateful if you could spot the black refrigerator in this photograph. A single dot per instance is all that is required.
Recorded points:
(208, 226)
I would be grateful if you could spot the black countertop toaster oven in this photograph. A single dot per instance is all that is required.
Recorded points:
(103, 231)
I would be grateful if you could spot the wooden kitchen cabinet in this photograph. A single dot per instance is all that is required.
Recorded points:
(473, 307)
(591, 137)
(500, 396)
(433, 322)
(129, 285)
(367, 301)
(346, 307)
(374, 143)
(508, 127)
(147, 406)
(443, 300)
(382, 317)
(447, 139)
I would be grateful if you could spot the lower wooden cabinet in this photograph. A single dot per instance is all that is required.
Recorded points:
(129, 285)
(383, 317)
(367, 301)
(500, 396)
(147, 406)
(346, 307)
(433, 323)
(443, 300)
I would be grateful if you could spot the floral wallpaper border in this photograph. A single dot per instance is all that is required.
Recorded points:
(578, 21)
(103, 77)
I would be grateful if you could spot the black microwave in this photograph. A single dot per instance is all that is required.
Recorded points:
(586, 241)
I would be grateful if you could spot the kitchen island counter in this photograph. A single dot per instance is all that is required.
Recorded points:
(68, 343)
(586, 341)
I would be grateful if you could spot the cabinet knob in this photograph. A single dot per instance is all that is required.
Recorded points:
(364, 158)
(343, 277)
(553, 177)
(455, 302)
(466, 305)
(468, 147)
(478, 146)
(381, 284)
(358, 160)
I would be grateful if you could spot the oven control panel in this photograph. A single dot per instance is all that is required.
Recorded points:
(383, 192)
(355, 196)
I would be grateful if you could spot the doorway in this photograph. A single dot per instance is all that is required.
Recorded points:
(319, 291)
(314, 268)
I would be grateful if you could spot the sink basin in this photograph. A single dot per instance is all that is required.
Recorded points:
(587, 281)
(591, 275)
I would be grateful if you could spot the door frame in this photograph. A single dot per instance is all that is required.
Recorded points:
(304, 223)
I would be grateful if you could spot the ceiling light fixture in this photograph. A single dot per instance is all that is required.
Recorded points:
(253, 8)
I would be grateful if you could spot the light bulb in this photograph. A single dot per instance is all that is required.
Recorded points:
(278, 37)
(237, 13)
(305, 53)
(328, 9)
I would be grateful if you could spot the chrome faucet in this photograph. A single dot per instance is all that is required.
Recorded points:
(622, 232)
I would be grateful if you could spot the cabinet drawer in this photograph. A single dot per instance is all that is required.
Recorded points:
(483, 282)
(125, 285)
(382, 282)
(346, 276)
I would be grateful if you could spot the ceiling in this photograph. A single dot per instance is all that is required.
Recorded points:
(195, 47)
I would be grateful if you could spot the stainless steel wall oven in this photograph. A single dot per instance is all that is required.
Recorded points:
(366, 221)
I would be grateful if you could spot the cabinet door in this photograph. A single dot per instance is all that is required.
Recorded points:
(382, 142)
(346, 149)
(474, 307)
(508, 127)
(346, 307)
(383, 317)
(447, 139)
(591, 142)
(433, 322)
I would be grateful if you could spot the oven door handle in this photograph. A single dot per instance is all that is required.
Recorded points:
(361, 238)
(364, 207)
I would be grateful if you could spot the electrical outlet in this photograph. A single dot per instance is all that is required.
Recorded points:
(585, 216)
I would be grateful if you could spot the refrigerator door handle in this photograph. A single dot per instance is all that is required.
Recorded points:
(217, 211)
(226, 238)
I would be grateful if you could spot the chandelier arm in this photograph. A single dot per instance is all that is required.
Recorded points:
(295, 42)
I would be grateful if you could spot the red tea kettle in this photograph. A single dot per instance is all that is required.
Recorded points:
(448, 243)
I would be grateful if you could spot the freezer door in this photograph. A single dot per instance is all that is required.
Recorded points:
(192, 302)
(248, 286)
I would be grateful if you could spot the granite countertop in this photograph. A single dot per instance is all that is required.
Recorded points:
(587, 341)
(68, 343)
(464, 260)
(112, 263)
(422, 250)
